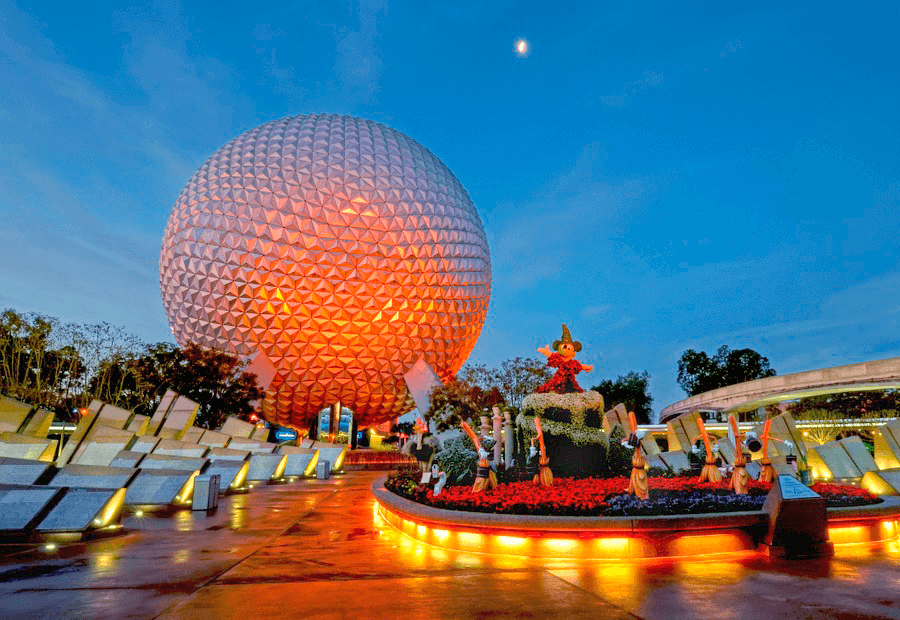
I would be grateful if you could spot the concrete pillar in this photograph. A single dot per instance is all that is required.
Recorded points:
(509, 439)
(498, 437)
(485, 425)
(333, 422)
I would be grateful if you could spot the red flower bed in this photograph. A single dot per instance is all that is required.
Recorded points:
(827, 490)
(567, 496)
(606, 496)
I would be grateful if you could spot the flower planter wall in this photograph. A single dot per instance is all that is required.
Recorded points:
(569, 460)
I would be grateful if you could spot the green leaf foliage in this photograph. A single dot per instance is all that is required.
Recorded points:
(618, 457)
(459, 459)
(698, 372)
(632, 390)
(64, 366)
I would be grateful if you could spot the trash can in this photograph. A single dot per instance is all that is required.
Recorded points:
(206, 492)
(323, 470)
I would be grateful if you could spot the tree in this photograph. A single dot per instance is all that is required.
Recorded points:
(115, 382)
(632, 390)
(214, 379)
(460, 401)
(823, 433)
(515, 378)
(519, 377)
(479, 387)
(34, 365)
(61, 367)
(106, 350)
(698, 373)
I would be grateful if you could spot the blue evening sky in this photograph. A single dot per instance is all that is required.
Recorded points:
(671, 176)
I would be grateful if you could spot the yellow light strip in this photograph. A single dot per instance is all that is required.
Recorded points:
(311, 468)
(861, 534)
(623, 548)
(732, 543)
(339, 461)
(111, 510)
(241, 477)
(186, 495)
(278, 474)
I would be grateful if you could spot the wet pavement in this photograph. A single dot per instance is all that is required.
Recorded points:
(315, 549)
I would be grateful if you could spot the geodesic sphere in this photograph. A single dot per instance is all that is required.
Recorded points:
(338, 246)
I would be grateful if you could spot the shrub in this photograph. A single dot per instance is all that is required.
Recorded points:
(664, 472)
(618, 457)
(404, 481)
(458, 459)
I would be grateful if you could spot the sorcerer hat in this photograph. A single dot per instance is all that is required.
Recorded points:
(566, 338)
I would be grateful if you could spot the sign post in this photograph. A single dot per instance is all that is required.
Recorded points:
(798, 521)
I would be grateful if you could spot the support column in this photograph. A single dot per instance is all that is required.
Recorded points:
(498, 436)
(314, 427)
(485, 424)
(333, 422)
(509, 439)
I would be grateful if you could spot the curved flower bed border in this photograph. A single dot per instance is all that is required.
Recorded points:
(617, 538)
(606, 497)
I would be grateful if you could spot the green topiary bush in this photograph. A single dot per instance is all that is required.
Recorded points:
(458, 459)
(618, 457)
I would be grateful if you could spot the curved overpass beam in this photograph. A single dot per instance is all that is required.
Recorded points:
(866, 376)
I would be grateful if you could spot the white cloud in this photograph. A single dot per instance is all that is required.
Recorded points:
(594, 311)
(573, 219)
(87, 178)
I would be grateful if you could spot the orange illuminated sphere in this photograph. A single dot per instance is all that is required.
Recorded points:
(341, 248)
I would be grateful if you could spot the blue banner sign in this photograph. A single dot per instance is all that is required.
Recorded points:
(285, 434)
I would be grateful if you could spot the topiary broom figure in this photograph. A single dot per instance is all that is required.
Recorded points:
(485, 478)
(739, 477)
(767, 474)
(709, 472)
(637, 484)
(545, 474)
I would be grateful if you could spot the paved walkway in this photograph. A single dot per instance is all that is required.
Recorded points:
(315, 550)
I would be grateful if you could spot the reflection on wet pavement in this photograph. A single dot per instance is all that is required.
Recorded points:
(318, 549)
